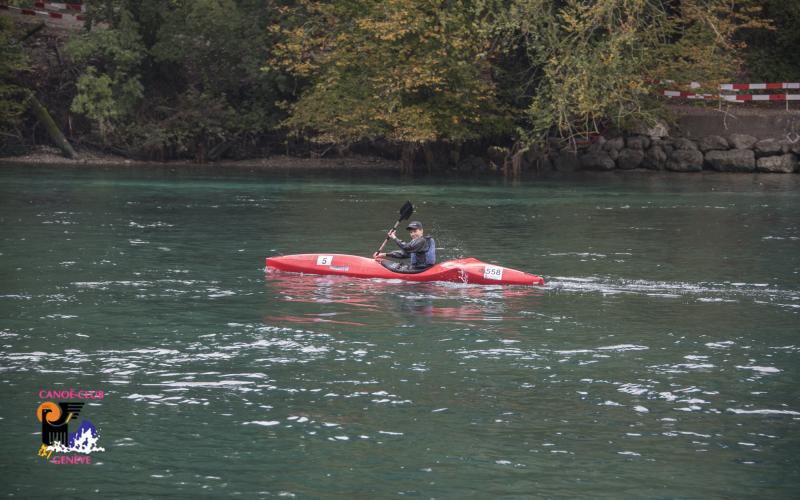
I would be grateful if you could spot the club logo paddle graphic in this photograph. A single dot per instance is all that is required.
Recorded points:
(69, 447)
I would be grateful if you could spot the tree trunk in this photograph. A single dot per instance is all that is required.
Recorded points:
(516, 165)
(455, 156)
(52, 129)
(220, 149)
(31, 32)
(407, 154)
(430, 159)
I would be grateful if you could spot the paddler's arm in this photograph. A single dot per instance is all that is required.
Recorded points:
(410, 247)
(397, 254)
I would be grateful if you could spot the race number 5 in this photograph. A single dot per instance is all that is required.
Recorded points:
(493, 273)
(324, 260)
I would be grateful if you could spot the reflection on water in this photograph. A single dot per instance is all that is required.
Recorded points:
(348, 298)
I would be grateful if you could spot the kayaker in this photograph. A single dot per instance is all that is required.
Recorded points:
(421, 249)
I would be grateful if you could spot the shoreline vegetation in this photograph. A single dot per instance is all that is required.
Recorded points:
(418, 86)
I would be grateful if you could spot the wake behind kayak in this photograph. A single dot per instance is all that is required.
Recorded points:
(458, 271)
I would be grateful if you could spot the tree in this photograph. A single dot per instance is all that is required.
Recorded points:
(12, 96)
(179, 78)
(411, 72)
(772, 55)
(213, 51)
(595, 63)
(109, 88)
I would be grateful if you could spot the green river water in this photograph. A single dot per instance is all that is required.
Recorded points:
(661, 359)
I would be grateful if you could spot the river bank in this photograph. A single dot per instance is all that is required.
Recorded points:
(695, 139)
(48, 156)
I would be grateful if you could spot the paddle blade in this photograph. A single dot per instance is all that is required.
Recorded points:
(406, 211)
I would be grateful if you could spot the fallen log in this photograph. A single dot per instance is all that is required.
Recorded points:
(52, 129)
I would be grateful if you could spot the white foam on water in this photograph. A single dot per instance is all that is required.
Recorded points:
(694, 401)
(694, 366)
(720, 345)
(16, 296)
(151, 225)
(668, 396)
(763, 412)
(690, 433)
(575, 351)
(705, 292)
(760, 369)
(634, 389)
(623, 348)
(221, 383)
(264, 423)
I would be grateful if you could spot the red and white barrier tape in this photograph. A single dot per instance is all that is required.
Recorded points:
(678, 94)
(77, 7)
(762, 97)
(675, 94)
(759, 86)
(739, 86)
(42, 13)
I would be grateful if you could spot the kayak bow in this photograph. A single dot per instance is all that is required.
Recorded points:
(458, 271)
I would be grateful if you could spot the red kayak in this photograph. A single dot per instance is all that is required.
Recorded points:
(458, 271)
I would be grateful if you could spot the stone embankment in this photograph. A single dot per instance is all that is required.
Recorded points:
(699, 138)
(734, 153)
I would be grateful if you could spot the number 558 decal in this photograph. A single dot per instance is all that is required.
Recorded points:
(493, 273)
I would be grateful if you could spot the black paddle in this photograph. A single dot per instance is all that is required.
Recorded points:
(405, 213)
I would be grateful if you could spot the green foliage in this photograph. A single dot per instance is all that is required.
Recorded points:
(12, 61)
(594, 63)
(216, 48)
(773, 55)
(103, 99)
(164, 78)
(109, 88)
(409, 72)
(192, 126)
(193, 78)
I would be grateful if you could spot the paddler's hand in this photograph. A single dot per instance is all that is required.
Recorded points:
(391, 235)
(377, 256)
